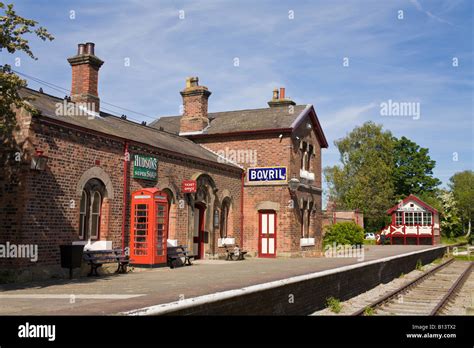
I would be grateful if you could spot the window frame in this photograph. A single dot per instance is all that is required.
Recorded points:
(83, 223)
(224, 220)
(98, 214)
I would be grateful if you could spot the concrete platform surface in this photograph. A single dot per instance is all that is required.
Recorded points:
(108, 295)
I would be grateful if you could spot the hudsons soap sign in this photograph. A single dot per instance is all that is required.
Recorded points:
(145, 167)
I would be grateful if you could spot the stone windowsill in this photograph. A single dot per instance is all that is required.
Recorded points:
(307, 242)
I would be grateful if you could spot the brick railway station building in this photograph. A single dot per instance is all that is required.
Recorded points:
(246, 177)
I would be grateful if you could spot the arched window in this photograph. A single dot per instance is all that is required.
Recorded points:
(95, 214)
(83, 215)
(90, 209)
(224, 217)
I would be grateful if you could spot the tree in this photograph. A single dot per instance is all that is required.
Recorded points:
(462, 186)
(450, 220)
(364, 181)
(13, 28)
(413, 169)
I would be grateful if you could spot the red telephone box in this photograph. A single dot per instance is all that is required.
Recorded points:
(149, 227)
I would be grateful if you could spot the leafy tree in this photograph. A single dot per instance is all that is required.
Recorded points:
(364, 181)
(450, 221)
(413, 169)
(462, 186)
(13, 29)
(344, 233)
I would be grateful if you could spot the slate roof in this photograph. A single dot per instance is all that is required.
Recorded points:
(239, 120)
(250, 120)
(114, 125)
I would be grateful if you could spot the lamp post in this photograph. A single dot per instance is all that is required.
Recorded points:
(293, 184)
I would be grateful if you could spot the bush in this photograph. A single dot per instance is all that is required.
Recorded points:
(344, 233)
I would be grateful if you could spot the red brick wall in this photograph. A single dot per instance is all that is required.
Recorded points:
(273, 151)
(43, 208)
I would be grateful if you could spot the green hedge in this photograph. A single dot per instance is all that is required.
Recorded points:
(344, 233)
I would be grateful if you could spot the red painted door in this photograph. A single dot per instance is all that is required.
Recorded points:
(161, 232)
(267, 234)
(198, 237)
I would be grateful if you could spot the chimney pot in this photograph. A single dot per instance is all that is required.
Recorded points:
(81, 49)
(279, 99)
(275, 94)
(90, 48)
(282, 93)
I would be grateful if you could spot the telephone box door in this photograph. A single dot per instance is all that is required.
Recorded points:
(161, 231)
(149, 227)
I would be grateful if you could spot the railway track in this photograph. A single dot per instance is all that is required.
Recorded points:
(430, 294)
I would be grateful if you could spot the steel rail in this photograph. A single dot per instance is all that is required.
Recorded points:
(395, 292)
(454, 288)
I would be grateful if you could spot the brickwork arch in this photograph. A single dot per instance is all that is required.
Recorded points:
(96, 173)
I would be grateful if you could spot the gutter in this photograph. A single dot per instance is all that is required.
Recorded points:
(242, 212)
(126, 159)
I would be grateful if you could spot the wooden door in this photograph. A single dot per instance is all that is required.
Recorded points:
(267, 234)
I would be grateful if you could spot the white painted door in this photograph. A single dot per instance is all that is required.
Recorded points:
(267, 234)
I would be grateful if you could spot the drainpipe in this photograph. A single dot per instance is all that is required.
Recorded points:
(242, 212)
(126, 158)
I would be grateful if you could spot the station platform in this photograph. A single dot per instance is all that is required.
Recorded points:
(158, 291)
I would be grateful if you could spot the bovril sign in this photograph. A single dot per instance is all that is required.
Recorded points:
(274, 175)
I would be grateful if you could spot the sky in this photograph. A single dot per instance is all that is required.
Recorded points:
(347, 58)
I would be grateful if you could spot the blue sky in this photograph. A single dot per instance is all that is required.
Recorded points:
(403, 60)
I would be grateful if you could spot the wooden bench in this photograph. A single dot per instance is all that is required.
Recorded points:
(97, 258)
(229, 249)
(176, 254)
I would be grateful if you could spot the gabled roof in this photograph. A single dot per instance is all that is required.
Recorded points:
(249, 121)
(415, 199)
(115, 126)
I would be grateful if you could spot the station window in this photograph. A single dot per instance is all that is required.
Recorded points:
(427, 218)
(418, 218)
(83, 215)
(409, 218)
(305, 219)
(399, 218)
(306, 153)
(90, 210)
(224, 218)
(95, 214)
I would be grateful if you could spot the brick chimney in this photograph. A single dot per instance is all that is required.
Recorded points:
(195, 99)
(85, 76)
(279, 99)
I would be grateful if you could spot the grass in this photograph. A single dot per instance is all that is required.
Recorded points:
(369, 242)
(453, 240)
(419, 265)
(334, 304)
(401, 275)
(437, 261)
(368, 311)
(464, 258)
